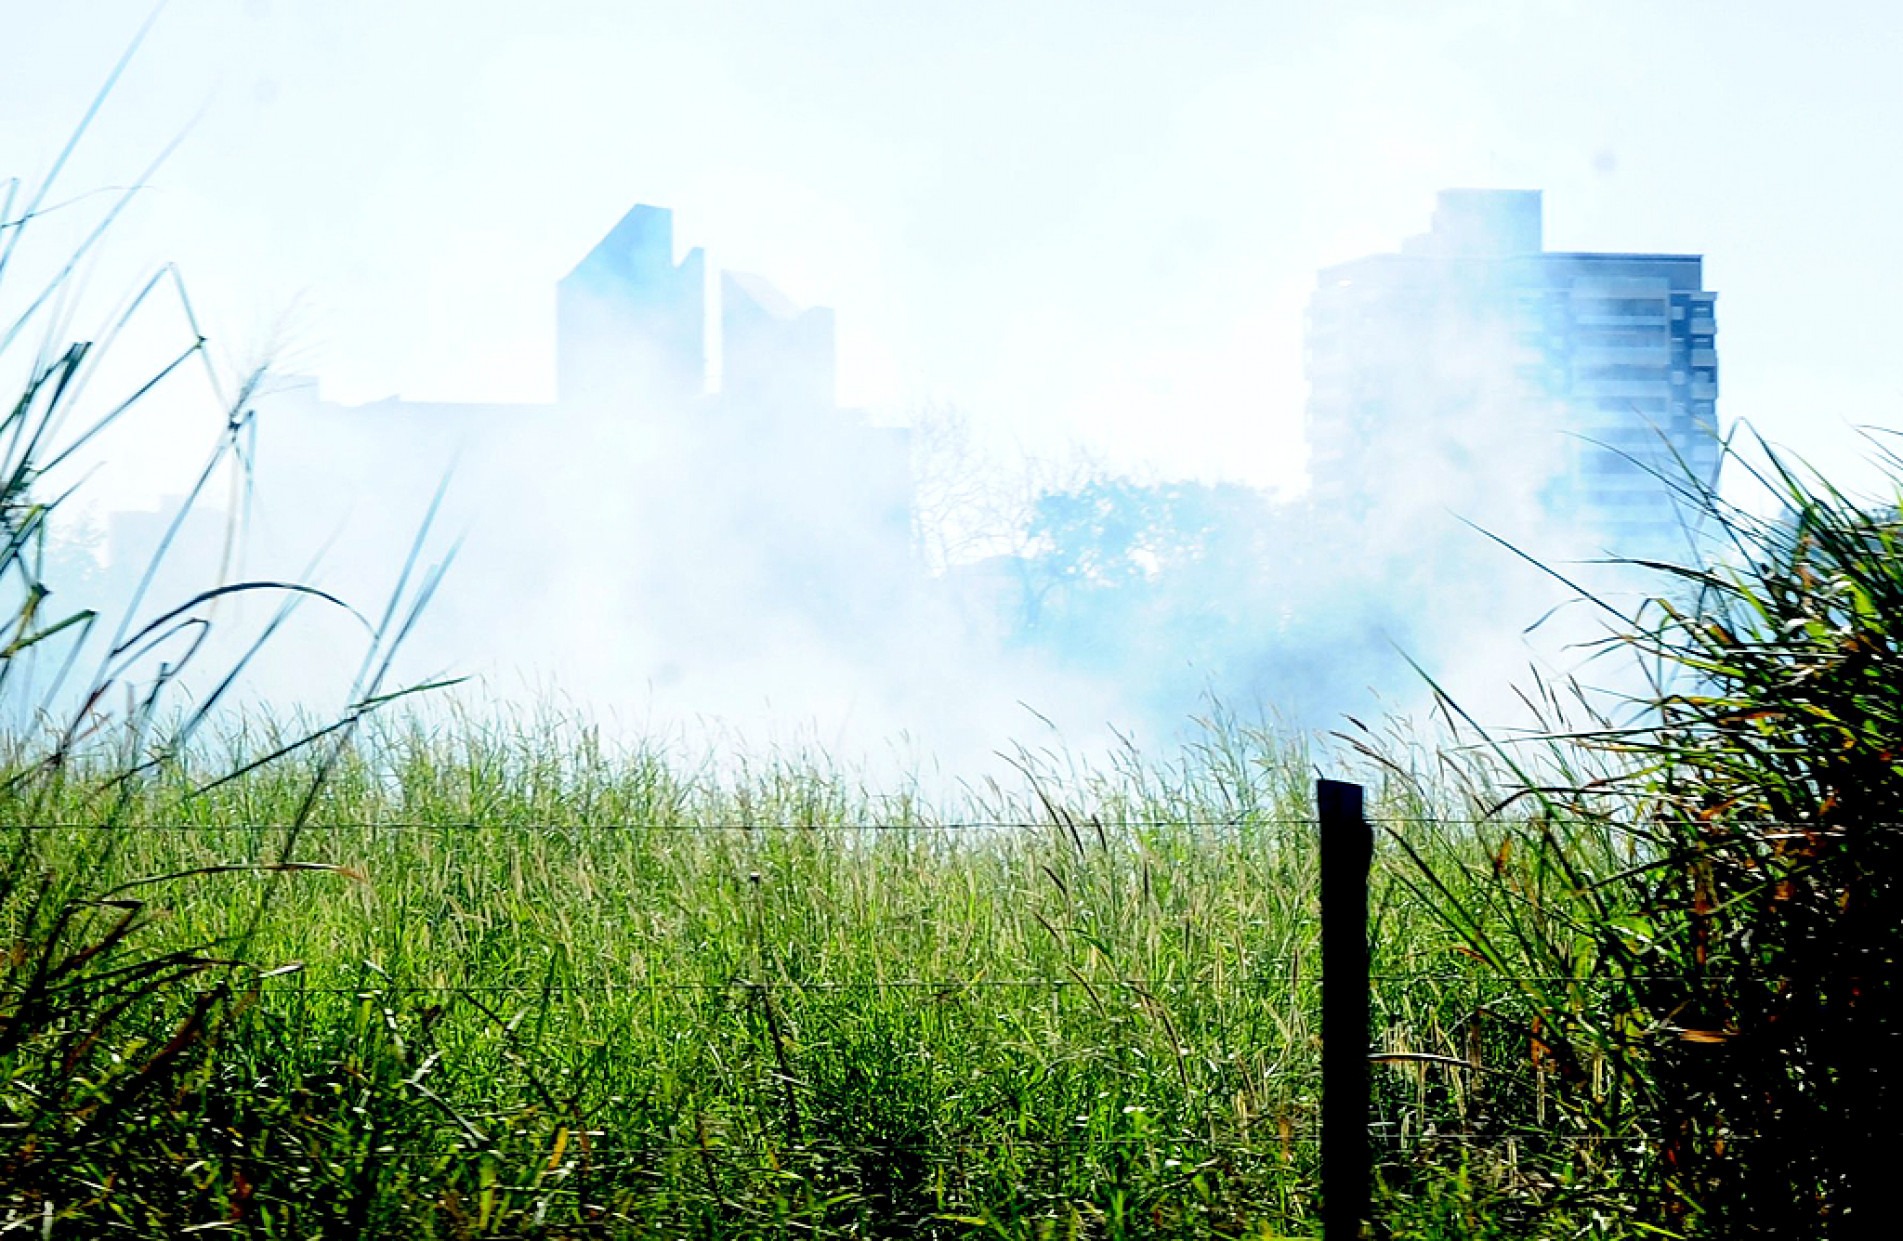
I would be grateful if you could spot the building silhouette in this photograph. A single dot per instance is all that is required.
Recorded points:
(630, 322)
(696, 522)
(1478, 362)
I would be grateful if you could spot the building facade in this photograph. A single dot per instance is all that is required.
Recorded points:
(1477, 365)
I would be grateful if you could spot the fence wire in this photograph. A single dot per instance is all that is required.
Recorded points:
(664, 826)
(1078, 823)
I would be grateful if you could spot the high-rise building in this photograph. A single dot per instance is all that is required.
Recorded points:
(1475, 359)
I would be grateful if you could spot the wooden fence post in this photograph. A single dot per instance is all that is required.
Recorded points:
(1347, 850)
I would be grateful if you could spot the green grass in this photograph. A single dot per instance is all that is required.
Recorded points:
(762, 1002)
(545, 989)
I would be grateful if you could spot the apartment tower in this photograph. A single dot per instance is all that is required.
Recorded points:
(1475, 363)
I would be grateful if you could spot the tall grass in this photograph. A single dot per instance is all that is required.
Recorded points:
(104, 1025)
(547, 987)
(1694, 914)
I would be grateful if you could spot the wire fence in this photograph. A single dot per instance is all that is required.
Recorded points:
(685, 825)
(947, 984)
(1080, 822)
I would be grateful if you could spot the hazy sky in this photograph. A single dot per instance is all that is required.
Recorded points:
(1092, 222)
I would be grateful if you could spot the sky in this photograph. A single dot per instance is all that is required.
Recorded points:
(1088, 226)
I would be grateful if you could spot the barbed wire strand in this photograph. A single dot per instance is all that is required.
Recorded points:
(467, 825)
(1079, 822)
(634, 1155)
(946, 984)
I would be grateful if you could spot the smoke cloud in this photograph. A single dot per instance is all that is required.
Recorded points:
(695, 539)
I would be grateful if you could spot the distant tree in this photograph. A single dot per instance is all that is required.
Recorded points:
(971, 501)
(1167, 585)
(1117, 532)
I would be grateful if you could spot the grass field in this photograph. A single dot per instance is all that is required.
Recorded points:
(544, 989)
(455, 979)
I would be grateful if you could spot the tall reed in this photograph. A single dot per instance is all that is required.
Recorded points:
(102, 1028)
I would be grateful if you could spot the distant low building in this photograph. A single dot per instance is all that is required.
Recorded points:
(773, 354)
(1476, 360)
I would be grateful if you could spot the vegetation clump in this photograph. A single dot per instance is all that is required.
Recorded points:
(1695, 910)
